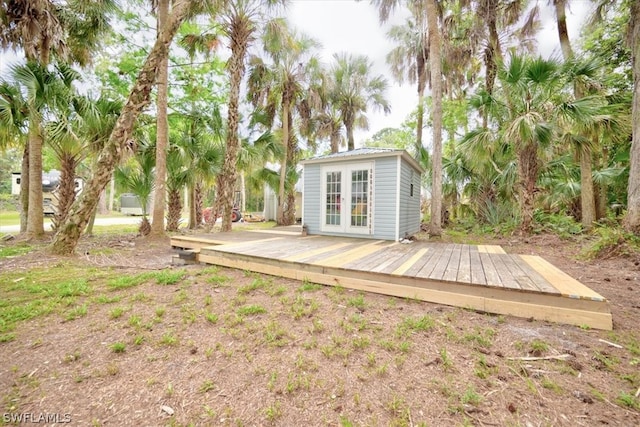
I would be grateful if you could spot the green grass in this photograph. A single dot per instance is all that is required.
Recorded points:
(15, 250)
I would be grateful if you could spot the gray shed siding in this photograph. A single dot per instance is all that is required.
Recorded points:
(385, 205)
(312, 198)
(409, 218)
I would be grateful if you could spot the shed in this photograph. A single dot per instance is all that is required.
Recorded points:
(367, 192)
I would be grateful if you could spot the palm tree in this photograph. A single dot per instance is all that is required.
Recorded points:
(426, 13)
(409, 59)
(69, 233)
(162, 125)
(632, 218)
(44, 89)
(42, 29)
(354, 89)
(137, 177)
(278, 85)
(536, 101)
(241, 19)
(435, 54)
(14, 114)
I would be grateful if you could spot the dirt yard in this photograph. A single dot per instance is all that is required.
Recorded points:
(132, 340)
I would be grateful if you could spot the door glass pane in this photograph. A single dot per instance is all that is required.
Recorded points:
(359, 197)
(332, 203)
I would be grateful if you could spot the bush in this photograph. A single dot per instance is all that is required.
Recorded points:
(610, 242)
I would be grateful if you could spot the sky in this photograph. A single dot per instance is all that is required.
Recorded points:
(350, 26)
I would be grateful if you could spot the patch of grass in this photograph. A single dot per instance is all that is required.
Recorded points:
(15, 250)
(481, 337)
(125, 282)
(169, 277)
(550, 384)
(275, 335)
(160, 311)
(309, 287)
(135, 321)
(206, 386)
(116, 312)
(211, 318)
(72, 288)
(169, 339)
(257, 283)
(538, 347)
(447, 362)
(471, 397)
(410, 325)
(105, 299)
(628, 400)
(251, 310)
(302, 307)
(118, 347)
(76, 312)
(273, 412)
(357, 302)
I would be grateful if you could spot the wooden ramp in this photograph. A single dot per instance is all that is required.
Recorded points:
(479, 277)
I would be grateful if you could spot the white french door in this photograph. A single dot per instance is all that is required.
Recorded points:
(347, 197)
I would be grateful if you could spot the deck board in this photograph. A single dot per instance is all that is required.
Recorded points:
(477, 270)
(477, 277)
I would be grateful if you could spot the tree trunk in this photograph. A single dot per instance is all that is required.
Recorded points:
(335, 142)
(587, 198)
(35, 216)
(112, 194)
(435, 226)
(527, 176)
(192, 207)
(351, 145)
(162, 133)
(24, 189)
(632, 218)
(227, 178)
(66, 239)
(280, 214)
(65, 193)
(198, 202)
(563, 33)
(174, 209)
(92, 220)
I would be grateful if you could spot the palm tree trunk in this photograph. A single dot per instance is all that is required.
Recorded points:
(174, 209)
(280, 215)
(563, 33)
(112, 194)
(66, 239)
(24, 189)
(162, 134)
(348, 124)
(65, 193)
(587, 198)
(198, 202)
(632, 218)
(192, 207)
(227, 178)
(435, 226)
(35, 216)
(527, 174)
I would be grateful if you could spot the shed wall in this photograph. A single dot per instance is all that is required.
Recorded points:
(385, 207)
(409, 216)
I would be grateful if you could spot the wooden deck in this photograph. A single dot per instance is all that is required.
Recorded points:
(479, 277)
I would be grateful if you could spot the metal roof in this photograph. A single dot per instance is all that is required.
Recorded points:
(365, 153)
